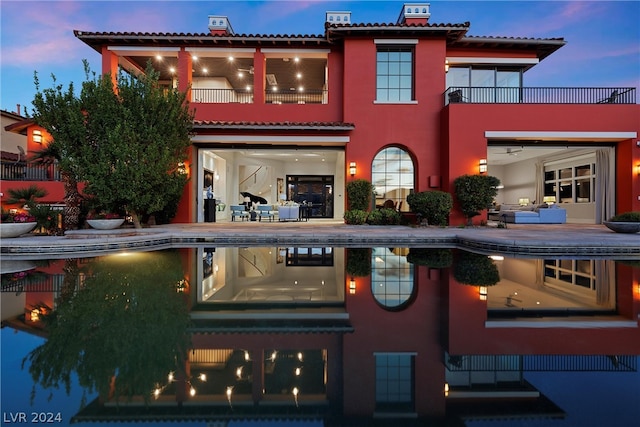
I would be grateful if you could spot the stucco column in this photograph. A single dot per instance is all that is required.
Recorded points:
(185, 64)
(259, 76)
(110, 64)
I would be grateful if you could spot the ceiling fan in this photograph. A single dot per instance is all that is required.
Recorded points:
(246, 70)
(511, 151)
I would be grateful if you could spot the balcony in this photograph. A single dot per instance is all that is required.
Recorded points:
(234, 96)
(21, 171)
(540, 95)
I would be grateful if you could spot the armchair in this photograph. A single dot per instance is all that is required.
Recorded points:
(238, 211)
(264, 211)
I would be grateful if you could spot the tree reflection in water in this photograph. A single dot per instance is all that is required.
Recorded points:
(122, 332)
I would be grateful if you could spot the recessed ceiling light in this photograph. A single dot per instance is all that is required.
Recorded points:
(204, 70)
(194, 58)
(159, 58)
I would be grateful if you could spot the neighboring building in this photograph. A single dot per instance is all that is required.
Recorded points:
(411, 105)
(12, 142)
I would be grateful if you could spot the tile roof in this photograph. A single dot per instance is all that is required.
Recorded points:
(215, 124)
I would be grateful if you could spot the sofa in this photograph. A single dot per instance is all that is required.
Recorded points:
(530, 214)
(288, 213)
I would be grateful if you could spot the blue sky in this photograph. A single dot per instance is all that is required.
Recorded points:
(603, 37)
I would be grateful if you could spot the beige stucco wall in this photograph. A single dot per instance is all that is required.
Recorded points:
(10, 141)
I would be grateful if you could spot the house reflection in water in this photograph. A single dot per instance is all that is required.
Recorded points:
(348, 334)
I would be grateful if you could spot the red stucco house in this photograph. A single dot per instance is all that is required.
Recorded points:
(409, 105)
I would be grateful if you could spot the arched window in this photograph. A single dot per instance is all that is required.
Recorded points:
(392, 283)
(392, 175)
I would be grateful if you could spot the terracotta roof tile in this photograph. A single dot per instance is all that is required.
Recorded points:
(273, 125)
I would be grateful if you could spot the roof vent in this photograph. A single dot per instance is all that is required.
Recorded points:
(414, 13)
(219, 25)
(338, 17)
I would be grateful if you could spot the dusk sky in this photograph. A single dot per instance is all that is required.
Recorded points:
(603, 37)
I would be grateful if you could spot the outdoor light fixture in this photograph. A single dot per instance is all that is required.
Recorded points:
(549, 200)
(483, 293)
(37, 136)
(352, 168)
(637, 166)
(482, 166)
(446, 65)
(352, 286)
(523, 201)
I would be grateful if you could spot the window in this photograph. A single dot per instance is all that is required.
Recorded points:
(391, 278)
(486, 84)
(570, 184)
(392, 175)
(394, 382)
(394, 74)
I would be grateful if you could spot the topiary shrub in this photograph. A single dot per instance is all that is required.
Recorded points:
(475, 193)
(474, 269)
(434, 206)
(384, 216)
(355, 217)
(358, 262)
(359, 193)
(633, 216)
(431, 257)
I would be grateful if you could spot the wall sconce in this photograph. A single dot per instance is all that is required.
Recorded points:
(446, 65)
(637, 169)
(352, 168)
(352, 286)
(523, 201)
(37, 136)
(483, 293)
(549, 200)
(482, 166)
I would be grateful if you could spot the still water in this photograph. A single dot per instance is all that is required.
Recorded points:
(321, 336)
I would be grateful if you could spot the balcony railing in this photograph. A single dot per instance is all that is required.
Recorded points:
(540, 95)
(230, 96)
(306, 97)
(21, 171)
(221, 96)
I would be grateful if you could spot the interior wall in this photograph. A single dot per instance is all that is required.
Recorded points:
(518, 180)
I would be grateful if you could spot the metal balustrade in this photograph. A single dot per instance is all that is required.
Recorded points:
(233, 96)
(22, 171)
(540, 95)
(542, 363)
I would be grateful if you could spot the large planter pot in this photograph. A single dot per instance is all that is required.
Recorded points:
(105, 224)
(15, 229)
(623, 227)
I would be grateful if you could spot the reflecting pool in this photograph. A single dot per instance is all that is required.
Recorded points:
(321, 336)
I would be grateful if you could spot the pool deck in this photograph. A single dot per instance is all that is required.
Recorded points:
(520, 239)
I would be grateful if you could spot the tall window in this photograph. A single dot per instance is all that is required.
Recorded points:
(394, 74)
(392, 282)
(392, 175)
(394, 382)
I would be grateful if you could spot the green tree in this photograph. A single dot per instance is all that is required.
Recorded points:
(475, 193)
(137, 138)
(122, 332)
(127, 143)
(58, 111)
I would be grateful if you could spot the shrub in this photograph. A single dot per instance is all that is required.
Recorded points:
(434, 206)
(384, 216)
(475, 269)
(475, 193)
(431, 257)
(633, 216)
(355, 217)
(358, 262)
(359, 193)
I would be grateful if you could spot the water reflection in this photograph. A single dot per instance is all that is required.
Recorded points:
(330, 333)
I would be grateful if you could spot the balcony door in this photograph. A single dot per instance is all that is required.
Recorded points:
(314, 189)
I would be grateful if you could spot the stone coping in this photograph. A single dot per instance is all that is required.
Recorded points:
(569, 241)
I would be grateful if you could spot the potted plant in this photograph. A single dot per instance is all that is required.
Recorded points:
(14, 224)
(104, 220)
(627, 222)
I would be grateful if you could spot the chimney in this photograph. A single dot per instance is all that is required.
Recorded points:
(18, 108)
(219, 25)
(338, 18)
(414, 13)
